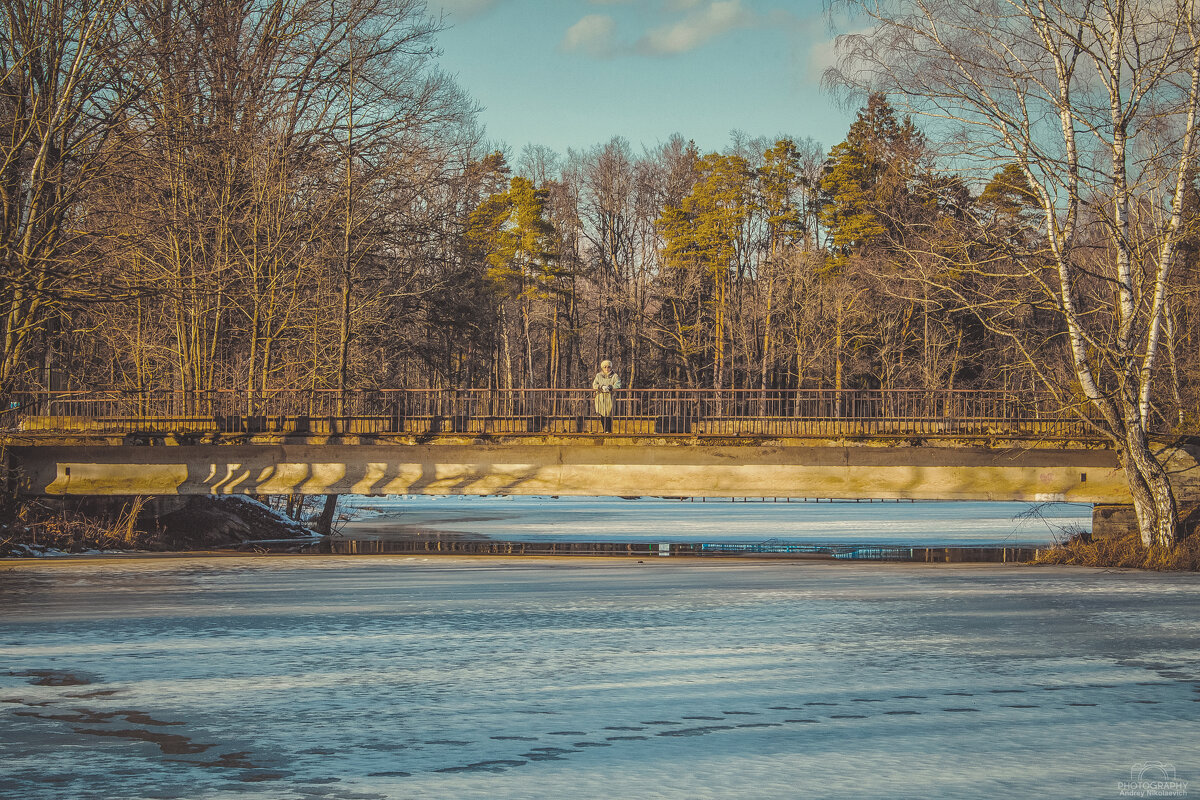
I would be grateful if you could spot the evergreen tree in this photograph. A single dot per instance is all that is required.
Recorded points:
(778, 180)
(704, 244)
(515, 243)
(868, 178)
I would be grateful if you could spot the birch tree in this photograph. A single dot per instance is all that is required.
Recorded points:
(1095, 103)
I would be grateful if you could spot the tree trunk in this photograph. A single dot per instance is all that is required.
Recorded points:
(252, 360)
(1153, 497)
(344, 316)
(766, 349)
(508, 370)
(325, 521)
(552, 360)
(837, 347)
(527, 374)
(719, 337)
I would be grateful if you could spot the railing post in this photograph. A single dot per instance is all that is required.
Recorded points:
(726, 411)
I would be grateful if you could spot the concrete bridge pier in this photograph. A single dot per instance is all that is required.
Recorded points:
(1114, 520)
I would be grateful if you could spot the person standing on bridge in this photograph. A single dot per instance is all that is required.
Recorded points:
(605, 384)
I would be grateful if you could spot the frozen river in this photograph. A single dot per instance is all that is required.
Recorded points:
(362, 678)
(594, 519)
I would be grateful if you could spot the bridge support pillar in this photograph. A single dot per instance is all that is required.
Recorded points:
(1182, 462)
(1115, 521)
(1112, 521)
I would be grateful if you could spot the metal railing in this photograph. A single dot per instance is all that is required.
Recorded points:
(661, 412)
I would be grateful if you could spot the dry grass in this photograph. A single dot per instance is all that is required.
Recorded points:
(79, 524)
(1126, 551)
(62, 527)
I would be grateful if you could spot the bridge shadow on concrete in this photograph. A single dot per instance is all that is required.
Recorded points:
(965, 473)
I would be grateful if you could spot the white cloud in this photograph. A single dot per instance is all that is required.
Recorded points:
(592, 35)
(705, 23)
(821, 56)
(824, 54)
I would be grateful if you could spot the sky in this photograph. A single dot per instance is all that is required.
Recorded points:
(575, 73)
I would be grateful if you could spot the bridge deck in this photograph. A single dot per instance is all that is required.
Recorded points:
(594, 466)
(849, 444)
(820, 414)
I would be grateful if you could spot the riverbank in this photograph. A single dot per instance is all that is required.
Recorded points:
(42, 526)
(714, 528)
(732, 520)
(431, 544)
(558, 526)
(1124, 552)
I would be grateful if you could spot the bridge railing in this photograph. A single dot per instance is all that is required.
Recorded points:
(663, 412)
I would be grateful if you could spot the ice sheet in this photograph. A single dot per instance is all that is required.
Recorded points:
(378, 677)
(926, 524)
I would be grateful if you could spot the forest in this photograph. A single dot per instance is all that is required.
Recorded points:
(267, 194)
(257, 194)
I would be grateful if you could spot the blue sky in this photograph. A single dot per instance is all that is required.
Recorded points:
(575, 73)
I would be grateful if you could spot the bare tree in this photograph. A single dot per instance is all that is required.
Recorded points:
(61, 98)
(1095, 101)
(285, 165)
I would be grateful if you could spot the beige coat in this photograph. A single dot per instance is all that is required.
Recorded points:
(604, 386)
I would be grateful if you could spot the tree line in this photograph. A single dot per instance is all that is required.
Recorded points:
(281, 194)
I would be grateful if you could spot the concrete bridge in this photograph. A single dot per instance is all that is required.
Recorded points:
(703, 443)
(820, 444)
(570, 466)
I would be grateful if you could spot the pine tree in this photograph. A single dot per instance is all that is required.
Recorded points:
(868, 178)
(778, 180)
(515, 242)
(704, 245)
